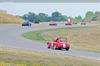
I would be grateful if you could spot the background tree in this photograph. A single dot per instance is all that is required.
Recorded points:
(25, 17)
(31, 17)
(96, 16)
(77, 19)
(64, 18)
(89, 16)
(56, 16)
(42, 17)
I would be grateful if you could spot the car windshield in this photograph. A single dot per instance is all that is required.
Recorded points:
(62, 40)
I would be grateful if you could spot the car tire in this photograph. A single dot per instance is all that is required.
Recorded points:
(48, 47)
(67, 49)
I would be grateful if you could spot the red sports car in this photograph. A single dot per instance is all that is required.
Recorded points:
(59, 44)
(68, 23)
(53, 24)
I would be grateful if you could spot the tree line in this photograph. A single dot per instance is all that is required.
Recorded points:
(57, 16)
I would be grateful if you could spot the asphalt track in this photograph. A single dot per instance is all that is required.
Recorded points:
(10, 37)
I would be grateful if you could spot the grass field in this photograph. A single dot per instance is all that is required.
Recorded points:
(6, 18)
(81, 38)
(19, 57)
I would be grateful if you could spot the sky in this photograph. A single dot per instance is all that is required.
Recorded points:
(68, 9)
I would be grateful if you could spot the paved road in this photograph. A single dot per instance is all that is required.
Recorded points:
(10, 37)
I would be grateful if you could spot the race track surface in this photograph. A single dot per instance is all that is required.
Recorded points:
(10, 37)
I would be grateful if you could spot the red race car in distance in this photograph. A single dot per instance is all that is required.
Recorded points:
(52, 24)
(68, 23)
(59, 44)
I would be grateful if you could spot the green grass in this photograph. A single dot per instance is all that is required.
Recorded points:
(81, 38)
(34, 35)
(37, 35)
(34, 58)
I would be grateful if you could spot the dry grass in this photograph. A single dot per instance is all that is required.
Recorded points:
(81, 38)
(19, 56)
(7, 18)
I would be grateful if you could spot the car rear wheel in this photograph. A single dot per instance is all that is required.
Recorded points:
(67, 49)
(48, 47)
